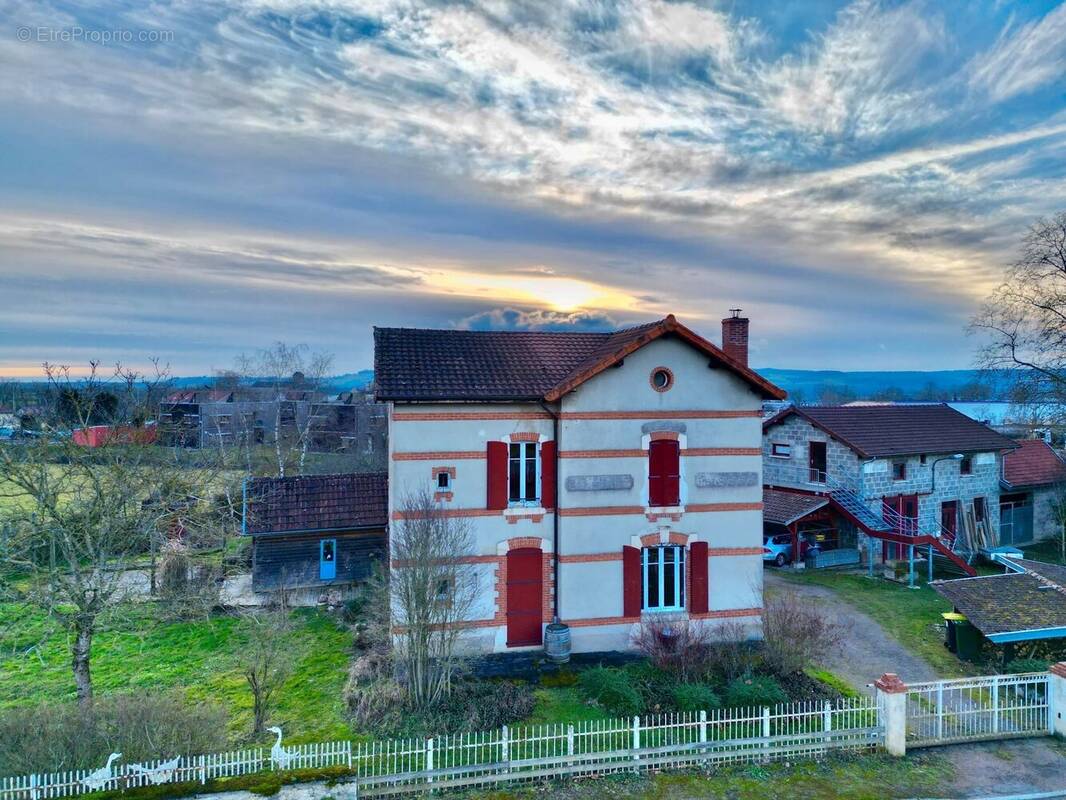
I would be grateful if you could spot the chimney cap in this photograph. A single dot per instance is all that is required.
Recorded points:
(734, 313)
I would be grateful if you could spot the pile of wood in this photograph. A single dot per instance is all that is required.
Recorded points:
(976, 535)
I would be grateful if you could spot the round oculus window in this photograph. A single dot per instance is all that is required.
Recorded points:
(661, 379)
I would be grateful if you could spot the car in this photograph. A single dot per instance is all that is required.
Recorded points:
(777, 549)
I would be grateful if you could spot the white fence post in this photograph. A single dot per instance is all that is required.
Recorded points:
(827, 717)
(892, 700)
(570, 740)
(940, 710)
(703, 727)
(429, 760)
(203, 770)
(636, 738)
(505, 747)
(1056, 695)
(995, 704)
(766, 727)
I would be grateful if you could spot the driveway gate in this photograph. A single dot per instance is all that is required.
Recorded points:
(976, 709)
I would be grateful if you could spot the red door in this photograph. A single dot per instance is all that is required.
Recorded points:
(664, 473)
(949, 519)
(901, 512)
(524, 588)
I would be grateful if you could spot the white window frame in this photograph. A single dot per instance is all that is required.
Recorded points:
(523, 460)
(775, 454)
(661, 569)
(447, 483)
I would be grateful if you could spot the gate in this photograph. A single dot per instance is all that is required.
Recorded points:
(976, 709)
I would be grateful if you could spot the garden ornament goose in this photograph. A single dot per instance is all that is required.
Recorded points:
(278, 754)
(159, 774)
(101, 777)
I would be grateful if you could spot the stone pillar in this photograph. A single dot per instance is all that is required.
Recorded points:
(892, 700)
(1057, 700)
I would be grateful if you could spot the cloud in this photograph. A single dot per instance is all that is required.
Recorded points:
(1023, 59)
(512, 319)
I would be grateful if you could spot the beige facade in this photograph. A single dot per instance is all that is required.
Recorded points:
(605, 427)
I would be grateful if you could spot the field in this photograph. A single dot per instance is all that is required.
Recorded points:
(199, 657)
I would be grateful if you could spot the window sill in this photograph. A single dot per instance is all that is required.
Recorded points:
(664, 510)
(781, 458)
(532, 513)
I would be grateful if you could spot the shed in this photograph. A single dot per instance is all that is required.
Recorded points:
(316, 530)
(1026, 603)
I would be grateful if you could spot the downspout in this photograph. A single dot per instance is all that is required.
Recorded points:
(244, 506)
(555, 515)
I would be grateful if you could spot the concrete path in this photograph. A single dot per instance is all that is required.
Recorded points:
(868, 651)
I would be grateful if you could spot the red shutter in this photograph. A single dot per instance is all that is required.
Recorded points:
(664, 473)
(697, 590)
(547, 474)
(631, 585)
(496, 459)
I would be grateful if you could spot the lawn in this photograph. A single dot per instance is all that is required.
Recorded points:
(1049, 550)
(909, 615)
(200, 657)
(866, 777)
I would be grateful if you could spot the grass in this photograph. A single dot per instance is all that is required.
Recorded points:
(199, 657)
(911, 616)
(864, 777)
(1049, 550)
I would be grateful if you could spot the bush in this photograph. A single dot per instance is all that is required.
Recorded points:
(1019, 665)
(794, 633)
(694, 697)
(141, 726)
(754, 690)
(654, 684)
(613, 690)
(732, 654)
(675, 645)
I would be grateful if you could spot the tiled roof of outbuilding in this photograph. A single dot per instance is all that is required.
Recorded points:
(317, 503)
(900, 429)
(784, 508)
(1034, 463)
(421, 364)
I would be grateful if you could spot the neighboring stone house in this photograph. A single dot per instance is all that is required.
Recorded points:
(607, 476)
(315, 534)
(1034, 485)
(925, 469)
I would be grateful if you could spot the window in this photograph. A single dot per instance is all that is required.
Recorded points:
(921, 458)
(966, 466)
(661, 379)
(781, 450)
(979, 509)
(664, 473)
(663, 571)
(444, 590)
(522, 473)
(899, 470)
(444, 481)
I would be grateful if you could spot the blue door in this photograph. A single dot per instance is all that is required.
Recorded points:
(327, 559)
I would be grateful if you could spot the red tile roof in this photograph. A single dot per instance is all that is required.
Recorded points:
(1034, 463)
(900, 429)
(317, 503)
(421, 364)
(784, 508)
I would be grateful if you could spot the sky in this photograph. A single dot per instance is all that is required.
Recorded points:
(189, 181)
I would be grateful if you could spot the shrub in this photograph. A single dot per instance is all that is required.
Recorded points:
(654, 684)
(612, 690)
(754, 690)
(141, 726)
(794, 633)
(1019, 665)
(675, 645)
(732, 654)
(694, 697)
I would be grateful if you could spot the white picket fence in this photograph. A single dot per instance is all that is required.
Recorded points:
(536, 752)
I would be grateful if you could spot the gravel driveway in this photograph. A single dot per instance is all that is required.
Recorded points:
(869, 651)
(1020, 766)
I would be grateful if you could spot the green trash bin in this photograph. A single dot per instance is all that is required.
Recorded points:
(967, 641)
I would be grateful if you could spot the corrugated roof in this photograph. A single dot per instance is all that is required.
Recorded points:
(896, 430)
(421, 364)
(1034, 463)
(317, 502)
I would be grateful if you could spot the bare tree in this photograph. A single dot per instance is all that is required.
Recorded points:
(81, 516)
(1025, 319)
(266, 657)
(1058, 514)
(293, 372)
(433, 588)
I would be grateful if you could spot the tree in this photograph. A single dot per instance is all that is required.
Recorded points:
(267, 657)
(432, 588)
(1025, 318)
(1058, 513)
(82, 515)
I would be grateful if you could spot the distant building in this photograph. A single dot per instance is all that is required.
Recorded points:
(1034, 481)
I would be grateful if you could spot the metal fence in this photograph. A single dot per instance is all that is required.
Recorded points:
(537, 752)
(975, 709)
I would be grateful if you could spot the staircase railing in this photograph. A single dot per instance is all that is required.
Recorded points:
(848, 496)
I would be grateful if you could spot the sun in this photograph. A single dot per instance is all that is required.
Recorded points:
(561, 294)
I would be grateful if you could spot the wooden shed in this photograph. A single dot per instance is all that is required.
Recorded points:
(316, 530)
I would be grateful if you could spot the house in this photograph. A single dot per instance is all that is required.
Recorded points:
(897, 475)
(195, 418)
(314, 533)
(1026, 603)
(1034, 486)
(607, 477)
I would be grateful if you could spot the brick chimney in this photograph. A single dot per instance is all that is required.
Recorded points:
(735, 336)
